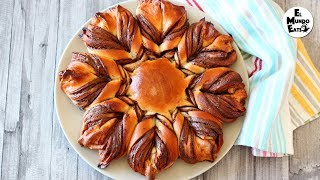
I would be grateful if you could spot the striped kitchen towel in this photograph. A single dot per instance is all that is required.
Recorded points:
(284, 83)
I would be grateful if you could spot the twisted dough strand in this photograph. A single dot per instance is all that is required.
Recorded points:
(108, 127)
(115, 35)
(199, 135)
(162, 26)
(220, 92)
(153, 146)
(89, 79)
(202, 47)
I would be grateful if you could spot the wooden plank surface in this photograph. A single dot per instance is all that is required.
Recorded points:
(33, 35)
(6, 20)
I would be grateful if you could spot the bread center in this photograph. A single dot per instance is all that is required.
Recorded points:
(158, 86)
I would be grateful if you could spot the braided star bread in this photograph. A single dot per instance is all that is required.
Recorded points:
(154, 87)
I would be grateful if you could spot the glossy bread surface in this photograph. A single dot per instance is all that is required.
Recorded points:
(158, 86)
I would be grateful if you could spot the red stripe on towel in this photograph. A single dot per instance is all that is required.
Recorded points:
(255, 67)
(198, 6)
(189, 2)
(260, 64)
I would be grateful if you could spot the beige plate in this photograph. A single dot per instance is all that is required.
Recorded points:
(70, 116)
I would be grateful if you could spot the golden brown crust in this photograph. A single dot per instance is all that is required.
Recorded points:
(158, 87)
(114, 34)
(202, 47)
(108, 127)
(87, 76)
(220, 91)
(199, 134)
(153, 146)
(162, 25)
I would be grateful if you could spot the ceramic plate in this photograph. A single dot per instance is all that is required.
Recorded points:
(70, 116)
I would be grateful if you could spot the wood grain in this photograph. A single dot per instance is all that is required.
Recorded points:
(6, 22)
(33, 35)
(64, 161)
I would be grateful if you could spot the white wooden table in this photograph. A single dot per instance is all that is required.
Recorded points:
(33, 34)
